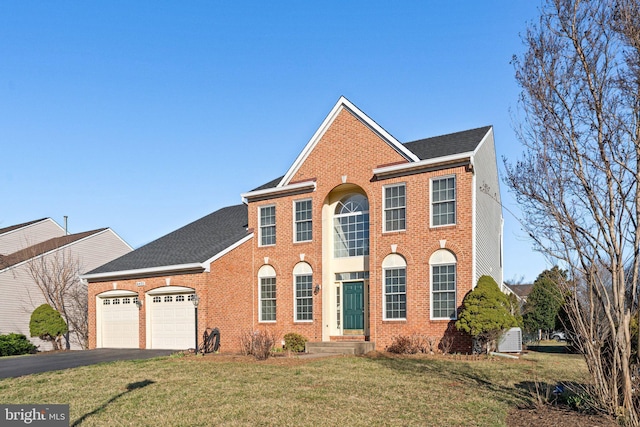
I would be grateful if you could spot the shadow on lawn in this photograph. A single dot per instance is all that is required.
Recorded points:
(455, 375)
(130, 387)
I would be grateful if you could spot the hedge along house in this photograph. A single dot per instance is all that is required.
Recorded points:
(364, 238)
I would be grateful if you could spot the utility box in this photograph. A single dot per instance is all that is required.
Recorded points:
(511, 341)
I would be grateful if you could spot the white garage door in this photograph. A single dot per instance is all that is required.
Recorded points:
(120, 322)
(173, 321)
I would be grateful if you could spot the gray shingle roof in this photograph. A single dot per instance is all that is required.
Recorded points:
(446, 145)
(193, 243)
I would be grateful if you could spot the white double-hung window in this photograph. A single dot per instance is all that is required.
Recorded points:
(395, 207)
(443, 201)
(267, 293)
(267, 225)
(303, 222)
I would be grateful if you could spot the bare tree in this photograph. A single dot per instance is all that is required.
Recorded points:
(57, 275)
(577, 182)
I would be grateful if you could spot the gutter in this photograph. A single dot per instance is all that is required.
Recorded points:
(298, 187)
(424, 165)
(178, 268)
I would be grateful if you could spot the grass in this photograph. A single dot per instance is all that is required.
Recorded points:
(214, 390)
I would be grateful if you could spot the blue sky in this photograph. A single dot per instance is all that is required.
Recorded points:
(145, 116)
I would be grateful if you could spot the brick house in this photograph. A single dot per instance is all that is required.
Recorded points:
(362, 239)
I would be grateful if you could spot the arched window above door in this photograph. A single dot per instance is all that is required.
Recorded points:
(351, 226)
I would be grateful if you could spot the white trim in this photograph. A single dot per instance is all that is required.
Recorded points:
(303, 272)
(406, 167)
(455, 199)
(305, 185)
(145, 271)
(335, 111)
(117, 293)
(270, 276)
(474, 210)
(207, 263)
(275, 224)
(437, 263)
(295, 232)
(484, 138)
(163, 290)
(393, 262)
(384, 207)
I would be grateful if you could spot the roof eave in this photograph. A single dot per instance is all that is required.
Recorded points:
(195, 267)
(305, 186)
(424, 165)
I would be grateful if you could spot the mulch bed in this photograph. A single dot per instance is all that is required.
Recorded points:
(556, 416)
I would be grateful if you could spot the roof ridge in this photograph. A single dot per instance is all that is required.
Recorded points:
(448, 134)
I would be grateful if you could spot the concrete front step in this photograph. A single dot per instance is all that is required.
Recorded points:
(340, 347)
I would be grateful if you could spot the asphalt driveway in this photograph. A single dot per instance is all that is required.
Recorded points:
(43, 362)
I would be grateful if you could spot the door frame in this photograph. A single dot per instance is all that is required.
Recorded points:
(363, 292)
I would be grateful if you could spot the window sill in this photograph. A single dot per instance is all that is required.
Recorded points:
(442, 319)
(432, 227)
(308, 322)
(267, 321)
(392, 232)
(394, 320)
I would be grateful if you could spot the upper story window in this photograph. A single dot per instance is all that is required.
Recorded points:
(443, 201)
(303, 221)
(351, 227)
(267, 225)
(395, 207)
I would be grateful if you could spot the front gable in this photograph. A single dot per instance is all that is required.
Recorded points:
(347, 141)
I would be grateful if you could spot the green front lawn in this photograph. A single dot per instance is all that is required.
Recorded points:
(376, 390)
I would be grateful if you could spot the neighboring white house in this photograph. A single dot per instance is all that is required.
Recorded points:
(21, 244)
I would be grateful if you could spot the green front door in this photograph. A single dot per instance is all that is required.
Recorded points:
(353, 307)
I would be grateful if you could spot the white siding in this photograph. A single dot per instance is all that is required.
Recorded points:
(488, 212)
(20, 295)
(15, 240)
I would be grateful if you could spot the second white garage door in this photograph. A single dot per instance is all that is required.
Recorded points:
(172, 321)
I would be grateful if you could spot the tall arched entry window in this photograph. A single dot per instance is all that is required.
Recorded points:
(351, 227)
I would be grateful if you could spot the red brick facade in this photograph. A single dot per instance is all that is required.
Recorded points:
(343, 158)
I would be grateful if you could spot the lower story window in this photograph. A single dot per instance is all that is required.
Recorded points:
(268, 299)
(444, 291)
(304, 297)
(395, 290)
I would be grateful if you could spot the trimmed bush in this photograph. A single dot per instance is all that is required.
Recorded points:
(485, 313)
(47, 324)
(294, 342)
(15, 344)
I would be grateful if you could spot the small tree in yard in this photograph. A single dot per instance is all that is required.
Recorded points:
(48, 325)
(58, 278)
(545, 301)
(485, 313)
(578, 180)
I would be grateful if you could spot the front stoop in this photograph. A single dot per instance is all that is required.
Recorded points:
(340, 347)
